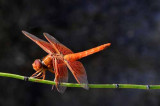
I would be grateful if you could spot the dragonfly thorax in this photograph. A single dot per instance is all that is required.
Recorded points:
(58, 56)
(47, 62)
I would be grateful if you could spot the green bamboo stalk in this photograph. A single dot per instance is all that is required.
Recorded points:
(128, 86)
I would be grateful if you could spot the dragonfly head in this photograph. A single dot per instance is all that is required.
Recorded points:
(37, 65)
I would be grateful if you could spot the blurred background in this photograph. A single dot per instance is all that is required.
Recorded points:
(132, 26)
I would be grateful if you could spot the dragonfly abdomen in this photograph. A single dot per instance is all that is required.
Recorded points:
(79, 55)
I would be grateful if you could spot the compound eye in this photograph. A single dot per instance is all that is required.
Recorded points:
(37, 64)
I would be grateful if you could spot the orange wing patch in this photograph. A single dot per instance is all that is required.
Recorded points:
(60, 47)
(79, 73)
(47, 47)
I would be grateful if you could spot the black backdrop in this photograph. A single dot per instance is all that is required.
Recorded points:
(132, 26)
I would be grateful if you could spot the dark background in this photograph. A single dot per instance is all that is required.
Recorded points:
(132, 26)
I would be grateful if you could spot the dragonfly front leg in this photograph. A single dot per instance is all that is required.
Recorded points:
(35, 73)
(38, 75)
(42, 75)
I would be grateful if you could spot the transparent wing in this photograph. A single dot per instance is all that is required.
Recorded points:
(43, 44)
(56, 44)
(61, 75)
(79, 73)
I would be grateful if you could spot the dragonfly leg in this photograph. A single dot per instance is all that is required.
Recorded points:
(52, 71)
(35, 73)
(38, 74)
(39, 77)
(44, 75)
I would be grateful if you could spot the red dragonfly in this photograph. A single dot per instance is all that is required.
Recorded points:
(58, 59)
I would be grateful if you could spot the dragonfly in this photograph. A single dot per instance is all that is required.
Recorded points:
(59, 60)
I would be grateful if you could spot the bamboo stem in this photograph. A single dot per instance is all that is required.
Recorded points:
(124, 86)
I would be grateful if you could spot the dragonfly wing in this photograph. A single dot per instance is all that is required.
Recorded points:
(47, 47)
(61, 75)
(55, 43)
(79, 73)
